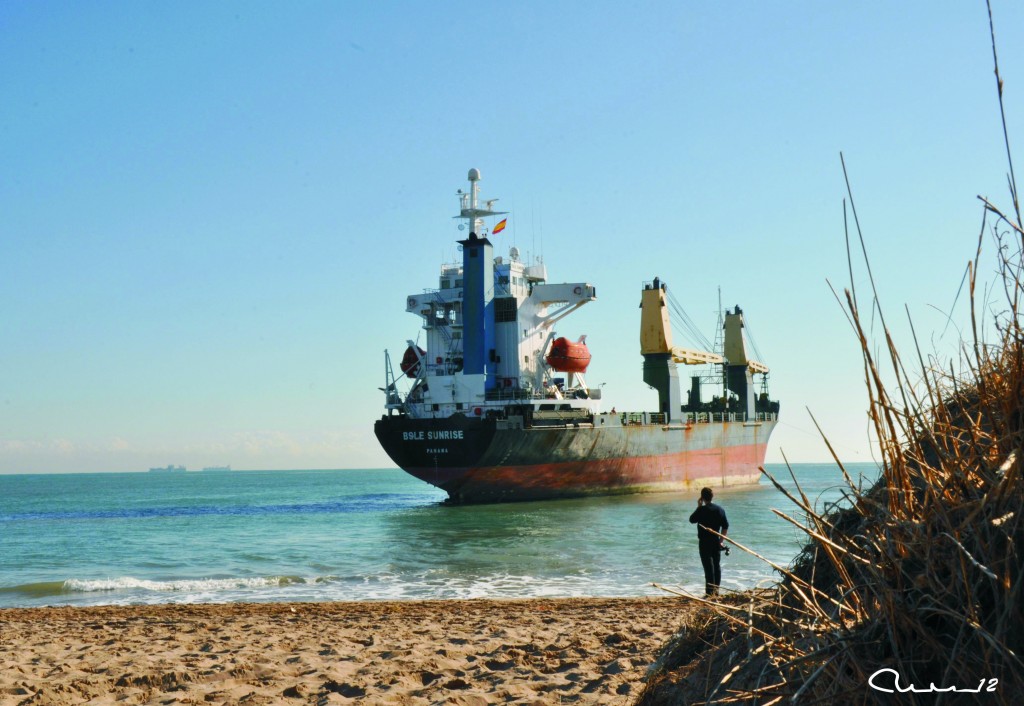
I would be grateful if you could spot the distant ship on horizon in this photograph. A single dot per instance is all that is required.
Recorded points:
(216, 468)
(168, 469)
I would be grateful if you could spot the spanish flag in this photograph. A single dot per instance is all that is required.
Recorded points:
(500, 227)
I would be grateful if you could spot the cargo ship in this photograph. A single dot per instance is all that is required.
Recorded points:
(168, 469)
(496, 407)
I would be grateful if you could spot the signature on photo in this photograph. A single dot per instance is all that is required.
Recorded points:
(879, 683)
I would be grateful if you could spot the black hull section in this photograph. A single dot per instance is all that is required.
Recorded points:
(438, 451)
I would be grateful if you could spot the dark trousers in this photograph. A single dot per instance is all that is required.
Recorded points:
(710, 559)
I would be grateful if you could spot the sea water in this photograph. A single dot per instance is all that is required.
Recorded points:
(122, 538)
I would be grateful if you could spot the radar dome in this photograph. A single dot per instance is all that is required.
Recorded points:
(474, 175)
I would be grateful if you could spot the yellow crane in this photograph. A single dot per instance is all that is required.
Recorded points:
(736, 343)
(656, 334)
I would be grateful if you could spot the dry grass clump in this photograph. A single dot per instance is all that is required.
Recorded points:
(922, 575)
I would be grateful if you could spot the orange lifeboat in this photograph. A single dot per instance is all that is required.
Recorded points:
(410, 364)
(568, 357)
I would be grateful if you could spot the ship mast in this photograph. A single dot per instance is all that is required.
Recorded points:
(478, 332)
(469, 207)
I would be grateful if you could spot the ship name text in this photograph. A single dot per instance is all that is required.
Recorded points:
(440, 435)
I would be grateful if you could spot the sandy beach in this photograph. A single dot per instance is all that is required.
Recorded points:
(537, 651)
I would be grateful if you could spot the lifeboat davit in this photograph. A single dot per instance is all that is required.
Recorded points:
(568, 357)
(410, 364)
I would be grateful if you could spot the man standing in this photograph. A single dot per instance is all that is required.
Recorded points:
(709, 516)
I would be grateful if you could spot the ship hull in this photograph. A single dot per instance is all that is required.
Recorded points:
(481, 461)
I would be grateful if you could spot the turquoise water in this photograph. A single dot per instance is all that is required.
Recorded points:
(118, 538)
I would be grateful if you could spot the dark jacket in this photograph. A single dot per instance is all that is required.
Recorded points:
(713, 517)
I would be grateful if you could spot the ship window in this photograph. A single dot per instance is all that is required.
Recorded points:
(435, 407)
(458, 283)
(504, 310)
(458, 406)
(446, 284)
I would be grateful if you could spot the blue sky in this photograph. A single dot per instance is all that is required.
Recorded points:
(211, 213)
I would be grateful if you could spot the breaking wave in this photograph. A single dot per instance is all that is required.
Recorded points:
(188, 588)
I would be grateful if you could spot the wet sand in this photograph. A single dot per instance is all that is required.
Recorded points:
(536, 651)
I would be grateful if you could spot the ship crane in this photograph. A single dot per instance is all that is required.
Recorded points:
(736, 344)
(687, 356)
(656, 335)
(692, 357)
(661, 357)
(656, 330)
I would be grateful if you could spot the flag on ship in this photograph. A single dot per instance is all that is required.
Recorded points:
(500, 227)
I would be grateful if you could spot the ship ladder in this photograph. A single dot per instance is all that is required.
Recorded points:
(445, 329)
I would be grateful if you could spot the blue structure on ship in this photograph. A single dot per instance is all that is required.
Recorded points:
(478, 309)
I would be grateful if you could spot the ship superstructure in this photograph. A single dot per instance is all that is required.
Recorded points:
(489, 325)
(498, 407)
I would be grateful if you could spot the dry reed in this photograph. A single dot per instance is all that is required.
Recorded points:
(922, 574)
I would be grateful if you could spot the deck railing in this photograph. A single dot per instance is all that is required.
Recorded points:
(696, 417)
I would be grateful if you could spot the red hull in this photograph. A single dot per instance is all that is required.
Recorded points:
(685, 470)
